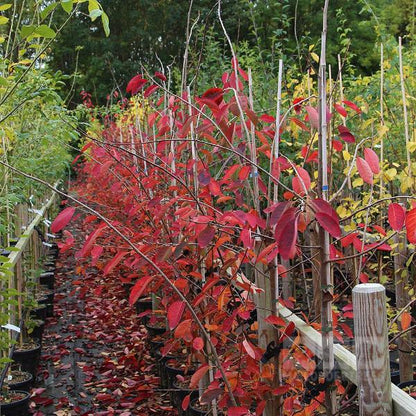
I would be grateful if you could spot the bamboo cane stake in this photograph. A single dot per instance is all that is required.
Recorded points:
(344, 122)
(326, 282)
(404, 102)
(381, 116)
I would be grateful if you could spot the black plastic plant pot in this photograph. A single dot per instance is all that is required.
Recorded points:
(179, 392)
(47, 279)
(174, 368)
(157, 327)
(409, 387)
(19, 407)
(161, 360)
(155, 343)
(46, 301)
(49, 265)
(39, 313)
(143, 305)
(47, 296)
(27, 359)
(394, 372)
(24, 385)
(195, 409)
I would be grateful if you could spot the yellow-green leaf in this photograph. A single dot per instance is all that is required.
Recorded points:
(357, 182)
(106, 24)
(346, 154)
(411, 146)
(67, 5)
(45, 31)
(47, 10)
(3, 20)
(315, 57)
(390, 174)
(4, 7)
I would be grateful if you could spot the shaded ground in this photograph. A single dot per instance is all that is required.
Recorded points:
(94, 357)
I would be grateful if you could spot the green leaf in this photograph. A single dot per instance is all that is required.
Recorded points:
(47, 10)
(93, 5)
(67, 5)
(3, 20)
(45, 32)
(95, 13)
(106, 24)
(4, 7)
(13, 249)
(27, 30)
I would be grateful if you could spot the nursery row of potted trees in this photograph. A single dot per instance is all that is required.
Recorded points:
(29, 306)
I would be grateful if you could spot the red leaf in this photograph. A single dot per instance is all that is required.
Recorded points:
(198, 343)
(206, 236)
(96, 252)
(328, 223)
(244, 172)
(62, 220)
(237, 411)
(197, 376)
(381, 230)
(91, 239)
(246, 238)
(411, 226)
(215, 188)
(275, 320)
(406, 320)
(214, 94)
(249, 349)
(348, 239)
(297, 104)
(136, 84)
(175, 312)
(341, 110)
(364, 170)
(320, 205)
(337, 145)
(313, 116)
(301, 182)
(345, 134)
(113, 263)
(286, 234)
(160, 76)
(353, 106)
(278, 391)
(139, 288)
(299, 123)
(185, 402)
(363, 279)
(371, 158)
(396, 216)
(183, 330)
(267, 118)
(288, 331)
(347, 330)
(150, 90)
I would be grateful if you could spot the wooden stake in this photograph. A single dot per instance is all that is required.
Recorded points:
(372, 352)
(404, 343)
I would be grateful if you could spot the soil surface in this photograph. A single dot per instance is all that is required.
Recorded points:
(94, 355)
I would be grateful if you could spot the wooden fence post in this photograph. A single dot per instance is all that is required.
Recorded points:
(372, 350)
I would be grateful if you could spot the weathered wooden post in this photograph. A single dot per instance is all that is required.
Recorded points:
(371, 349)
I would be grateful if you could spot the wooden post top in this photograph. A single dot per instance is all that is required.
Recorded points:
(368, 288)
